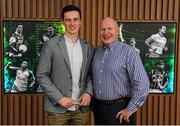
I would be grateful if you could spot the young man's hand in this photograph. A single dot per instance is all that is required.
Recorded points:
(66, 102)
(85, 99)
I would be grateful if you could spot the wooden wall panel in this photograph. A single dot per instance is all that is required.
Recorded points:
(124, 9)
(164, 9)
(22, 110)
(27, 9)
(52, 8)
(46, 8)
(161, 109)
(170, 9)
(147, 9)
(159, 10)
(10, 114)
(106, 8)
(141, 9)
(149, 114)
(28, 109)
(117, 10)
(16, 110)
(3, 4)
(94, 22)
(178, 71)
(176, 10)
(58, 14)
(9, 8)
(135, 9)
(88, 19)
(129, 9)
(153, 9)
(82, 7)
(21, 9)
(34, 8)
(112, 8)
(3, 15)
(15, 8)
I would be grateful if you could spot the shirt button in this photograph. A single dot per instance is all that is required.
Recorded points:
(101, 71)
(99, 81)
(103, 61)
(99, 92)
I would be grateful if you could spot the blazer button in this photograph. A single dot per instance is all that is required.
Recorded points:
(70, 90)
(70, 77)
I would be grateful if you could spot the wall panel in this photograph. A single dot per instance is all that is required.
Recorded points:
(147, 9)
(135, 9)
(34, 8)
(153, 9)
(141, 9)
(3, 3)
(159, 10)
(129, 9)
(40, 9)
(28, 9)
(164, 9)
(3, 15)
(28, 109)
(21, 8)
(124, 9)
(118, 8)
(9, 7)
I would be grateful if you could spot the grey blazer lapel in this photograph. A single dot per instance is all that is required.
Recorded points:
(63, 48)
(84, 51)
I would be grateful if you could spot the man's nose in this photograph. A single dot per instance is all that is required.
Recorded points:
(72, 23)
(105, 31)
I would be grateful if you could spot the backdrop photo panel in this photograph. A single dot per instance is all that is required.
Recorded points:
(22, 43)
(155, 42)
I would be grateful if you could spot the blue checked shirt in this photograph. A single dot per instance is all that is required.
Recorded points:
(118, 72)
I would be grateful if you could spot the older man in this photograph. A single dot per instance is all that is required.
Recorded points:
(120, 82)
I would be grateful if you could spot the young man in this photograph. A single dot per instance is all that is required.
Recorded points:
(63, 73)
(120, 82)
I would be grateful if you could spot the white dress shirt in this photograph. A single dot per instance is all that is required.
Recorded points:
(75, 57)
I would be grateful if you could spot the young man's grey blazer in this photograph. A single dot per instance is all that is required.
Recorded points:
(54, 73)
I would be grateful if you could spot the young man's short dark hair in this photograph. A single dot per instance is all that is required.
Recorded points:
(70, 8)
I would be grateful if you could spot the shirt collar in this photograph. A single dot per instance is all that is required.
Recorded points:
(67, 40)
(111, 46)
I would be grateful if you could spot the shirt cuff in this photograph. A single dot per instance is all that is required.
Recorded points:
(132, 107)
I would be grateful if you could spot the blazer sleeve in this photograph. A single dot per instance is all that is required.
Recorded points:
(43, 74)
(89, 88)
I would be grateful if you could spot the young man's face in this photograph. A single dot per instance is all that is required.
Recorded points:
(72, 22)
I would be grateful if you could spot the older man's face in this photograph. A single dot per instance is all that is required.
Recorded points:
(108, 31)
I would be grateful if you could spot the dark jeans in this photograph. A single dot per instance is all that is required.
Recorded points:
(105, 114)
